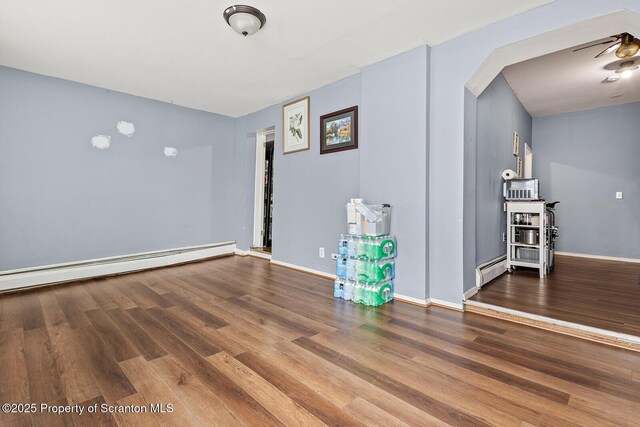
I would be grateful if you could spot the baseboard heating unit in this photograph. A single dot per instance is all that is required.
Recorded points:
(490, 270)
(57, 273)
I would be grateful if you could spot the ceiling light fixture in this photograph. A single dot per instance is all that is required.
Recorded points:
(629, 47)
(245, 20)
(626, 69)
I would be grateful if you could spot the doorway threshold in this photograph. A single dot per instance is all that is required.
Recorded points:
(259, 253)
(630, 342)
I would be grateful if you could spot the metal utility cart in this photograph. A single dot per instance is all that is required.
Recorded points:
(529, 236)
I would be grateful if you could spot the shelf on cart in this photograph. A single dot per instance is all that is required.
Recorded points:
(524, 245)
(525, 262)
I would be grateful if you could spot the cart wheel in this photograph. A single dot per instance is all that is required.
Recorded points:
(509, 270)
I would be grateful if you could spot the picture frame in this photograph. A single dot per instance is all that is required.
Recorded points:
(519, 167)
(339, 130)
(295, 126)
(516, 143)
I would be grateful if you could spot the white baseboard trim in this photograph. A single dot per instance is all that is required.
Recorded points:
(303, 269)
(446, 304)
(606, 258)
(254, 254)
(57, 273)
(561, 326)
(411, 300)
(471, 292)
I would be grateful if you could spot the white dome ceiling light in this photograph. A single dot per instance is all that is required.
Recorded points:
(626, 69)
(245, 20)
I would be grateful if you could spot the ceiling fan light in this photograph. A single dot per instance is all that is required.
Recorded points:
(244, 20)
(629, 46)
(626, 74)
(627, 51)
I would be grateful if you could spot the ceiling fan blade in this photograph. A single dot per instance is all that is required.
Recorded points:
(596, 44)
(609, 49)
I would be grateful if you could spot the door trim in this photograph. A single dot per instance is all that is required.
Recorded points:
(258, 195)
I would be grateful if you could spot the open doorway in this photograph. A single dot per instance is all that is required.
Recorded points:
(263, 203)
(582, 126)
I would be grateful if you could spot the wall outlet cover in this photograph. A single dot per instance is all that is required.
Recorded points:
(321, 252)
(334, 255)
(618, 194)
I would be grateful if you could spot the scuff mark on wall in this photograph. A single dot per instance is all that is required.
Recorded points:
(101, 142)
(125, 128)
(170, 152)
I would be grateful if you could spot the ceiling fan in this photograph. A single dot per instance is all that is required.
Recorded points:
(625, 45)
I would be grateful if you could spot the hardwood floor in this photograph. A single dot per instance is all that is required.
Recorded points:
(598, 293)
(237, 341)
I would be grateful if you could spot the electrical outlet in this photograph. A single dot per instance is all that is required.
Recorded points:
(334, 255)
(618, 194)
(321, 253)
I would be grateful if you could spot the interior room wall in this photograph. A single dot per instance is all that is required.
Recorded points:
(393, 157)
(499, 114)
(390, 166)
(310, 190)
(469, 219)
(582, 159)
(452, 65)
(63, 200)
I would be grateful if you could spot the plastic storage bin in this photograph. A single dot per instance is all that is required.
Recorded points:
(368, 220)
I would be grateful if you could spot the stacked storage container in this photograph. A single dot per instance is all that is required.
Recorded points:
(365, 266)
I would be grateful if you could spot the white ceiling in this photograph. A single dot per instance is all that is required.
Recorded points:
(182, 51)
(567, 81)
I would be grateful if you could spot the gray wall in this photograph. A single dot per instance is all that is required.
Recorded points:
(393, 157)
(469, 230)
(499, 114)
(62, 200)
(582, 159)
(310, 190)
(390, 166)
(452, 65)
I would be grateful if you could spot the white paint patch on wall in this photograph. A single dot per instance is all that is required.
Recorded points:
(101, 142)
(170, 152)
(125, 128)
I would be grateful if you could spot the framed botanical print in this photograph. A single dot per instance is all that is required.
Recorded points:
(339, 130)
(295, 126)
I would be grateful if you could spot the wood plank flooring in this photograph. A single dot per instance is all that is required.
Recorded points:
(237, 341)
(599, 293)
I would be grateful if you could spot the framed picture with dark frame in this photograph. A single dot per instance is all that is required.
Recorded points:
(339, 131)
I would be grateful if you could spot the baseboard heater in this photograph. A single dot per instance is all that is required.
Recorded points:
(490, 270)
(57, 273)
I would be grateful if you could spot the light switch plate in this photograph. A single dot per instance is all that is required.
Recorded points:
(321, 252)
(618, 194)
